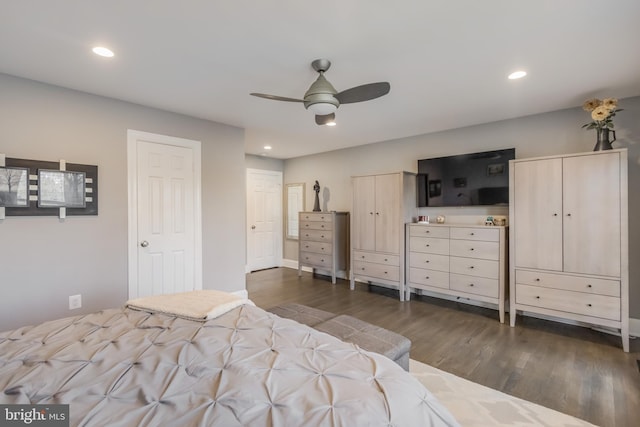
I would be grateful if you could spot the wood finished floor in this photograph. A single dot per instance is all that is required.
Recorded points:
(571, 369)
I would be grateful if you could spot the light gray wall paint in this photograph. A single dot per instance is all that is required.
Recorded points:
(264, 163)
(43, 260)
(558, 132)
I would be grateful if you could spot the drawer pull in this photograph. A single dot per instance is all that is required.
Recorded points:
(472, 234)
(427, 277)
(427, 261)
(322, 236)
(537, 279)
(386, 272)
(471, 249)
(568, 214)
(362, 268)
(471, 284)
(321, 260)
(471, 267)
(537, 297)
(386, 260)
(555, 214)
(589, 286)
(427, 245)
(588, 305)
(427, 231)
(362, 256)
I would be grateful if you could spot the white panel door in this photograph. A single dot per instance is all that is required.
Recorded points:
(264, 219)
(165, 219)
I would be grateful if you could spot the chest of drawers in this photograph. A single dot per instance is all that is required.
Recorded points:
(461, 261)
(324, 242)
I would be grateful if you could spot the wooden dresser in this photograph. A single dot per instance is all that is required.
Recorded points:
(382, 204)
(324, 242)
(464, 261)
(569, 251)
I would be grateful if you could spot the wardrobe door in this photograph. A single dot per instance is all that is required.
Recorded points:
(364, 209)
(388, 222)
(592, 214)
(538, 214)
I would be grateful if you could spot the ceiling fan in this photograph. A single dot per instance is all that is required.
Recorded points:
(322, 98)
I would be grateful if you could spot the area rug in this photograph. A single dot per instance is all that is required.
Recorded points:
(475, 405)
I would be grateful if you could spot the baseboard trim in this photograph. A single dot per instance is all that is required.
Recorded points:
(634, 327)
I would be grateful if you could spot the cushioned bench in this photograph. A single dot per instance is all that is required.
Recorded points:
(347, 328)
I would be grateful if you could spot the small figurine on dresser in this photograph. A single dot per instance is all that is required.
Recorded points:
(316, 205)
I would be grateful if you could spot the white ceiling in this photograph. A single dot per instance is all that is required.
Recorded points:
(447, 61)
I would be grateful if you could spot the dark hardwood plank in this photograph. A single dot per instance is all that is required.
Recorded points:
(575, 370)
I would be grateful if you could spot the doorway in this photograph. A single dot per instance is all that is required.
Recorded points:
(165, 225)
(264, 219)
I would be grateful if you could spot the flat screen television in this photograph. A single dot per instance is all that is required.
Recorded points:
(476, 179)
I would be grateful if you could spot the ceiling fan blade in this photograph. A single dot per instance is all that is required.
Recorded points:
(276, 97)
(363, 93)
(323, 120)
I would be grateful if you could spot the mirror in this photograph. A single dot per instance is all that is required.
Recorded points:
(294, 200)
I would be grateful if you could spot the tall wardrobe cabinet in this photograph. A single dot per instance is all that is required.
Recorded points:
(569, 245)
(382, 204)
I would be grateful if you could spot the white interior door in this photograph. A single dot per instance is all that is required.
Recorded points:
(165, 248)
(264, 219)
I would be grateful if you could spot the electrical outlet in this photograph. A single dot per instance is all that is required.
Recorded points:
(75, 301)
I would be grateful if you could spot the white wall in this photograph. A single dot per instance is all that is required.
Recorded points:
(43, 260)
(539, 135)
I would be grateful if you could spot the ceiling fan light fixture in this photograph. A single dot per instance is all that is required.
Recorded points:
(331, 123)
(322, 108)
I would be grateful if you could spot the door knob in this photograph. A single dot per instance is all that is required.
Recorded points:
(144, 243)
(253, 227)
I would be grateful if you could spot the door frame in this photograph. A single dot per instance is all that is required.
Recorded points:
(132, 180)
(280, 242)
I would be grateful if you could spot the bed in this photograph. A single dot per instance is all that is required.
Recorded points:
(245, 367)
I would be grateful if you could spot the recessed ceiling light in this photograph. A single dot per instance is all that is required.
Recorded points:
(103, 51)
(267, 147)
(517, 75)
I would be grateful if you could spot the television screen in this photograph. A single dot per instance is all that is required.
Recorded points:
(476, 179)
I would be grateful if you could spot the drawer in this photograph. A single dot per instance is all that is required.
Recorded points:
(478, 233)
(322, 217)
(317, 235)
(602, 306)
(315, 225)
(429, 261)
(475, 267)
(569, 283)
(381, 271)
(317, 247)
(475, 285)
(319, 260)
(429, 245)
(475, 249)
(378, 258)
(421, 276)
(428, 231)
